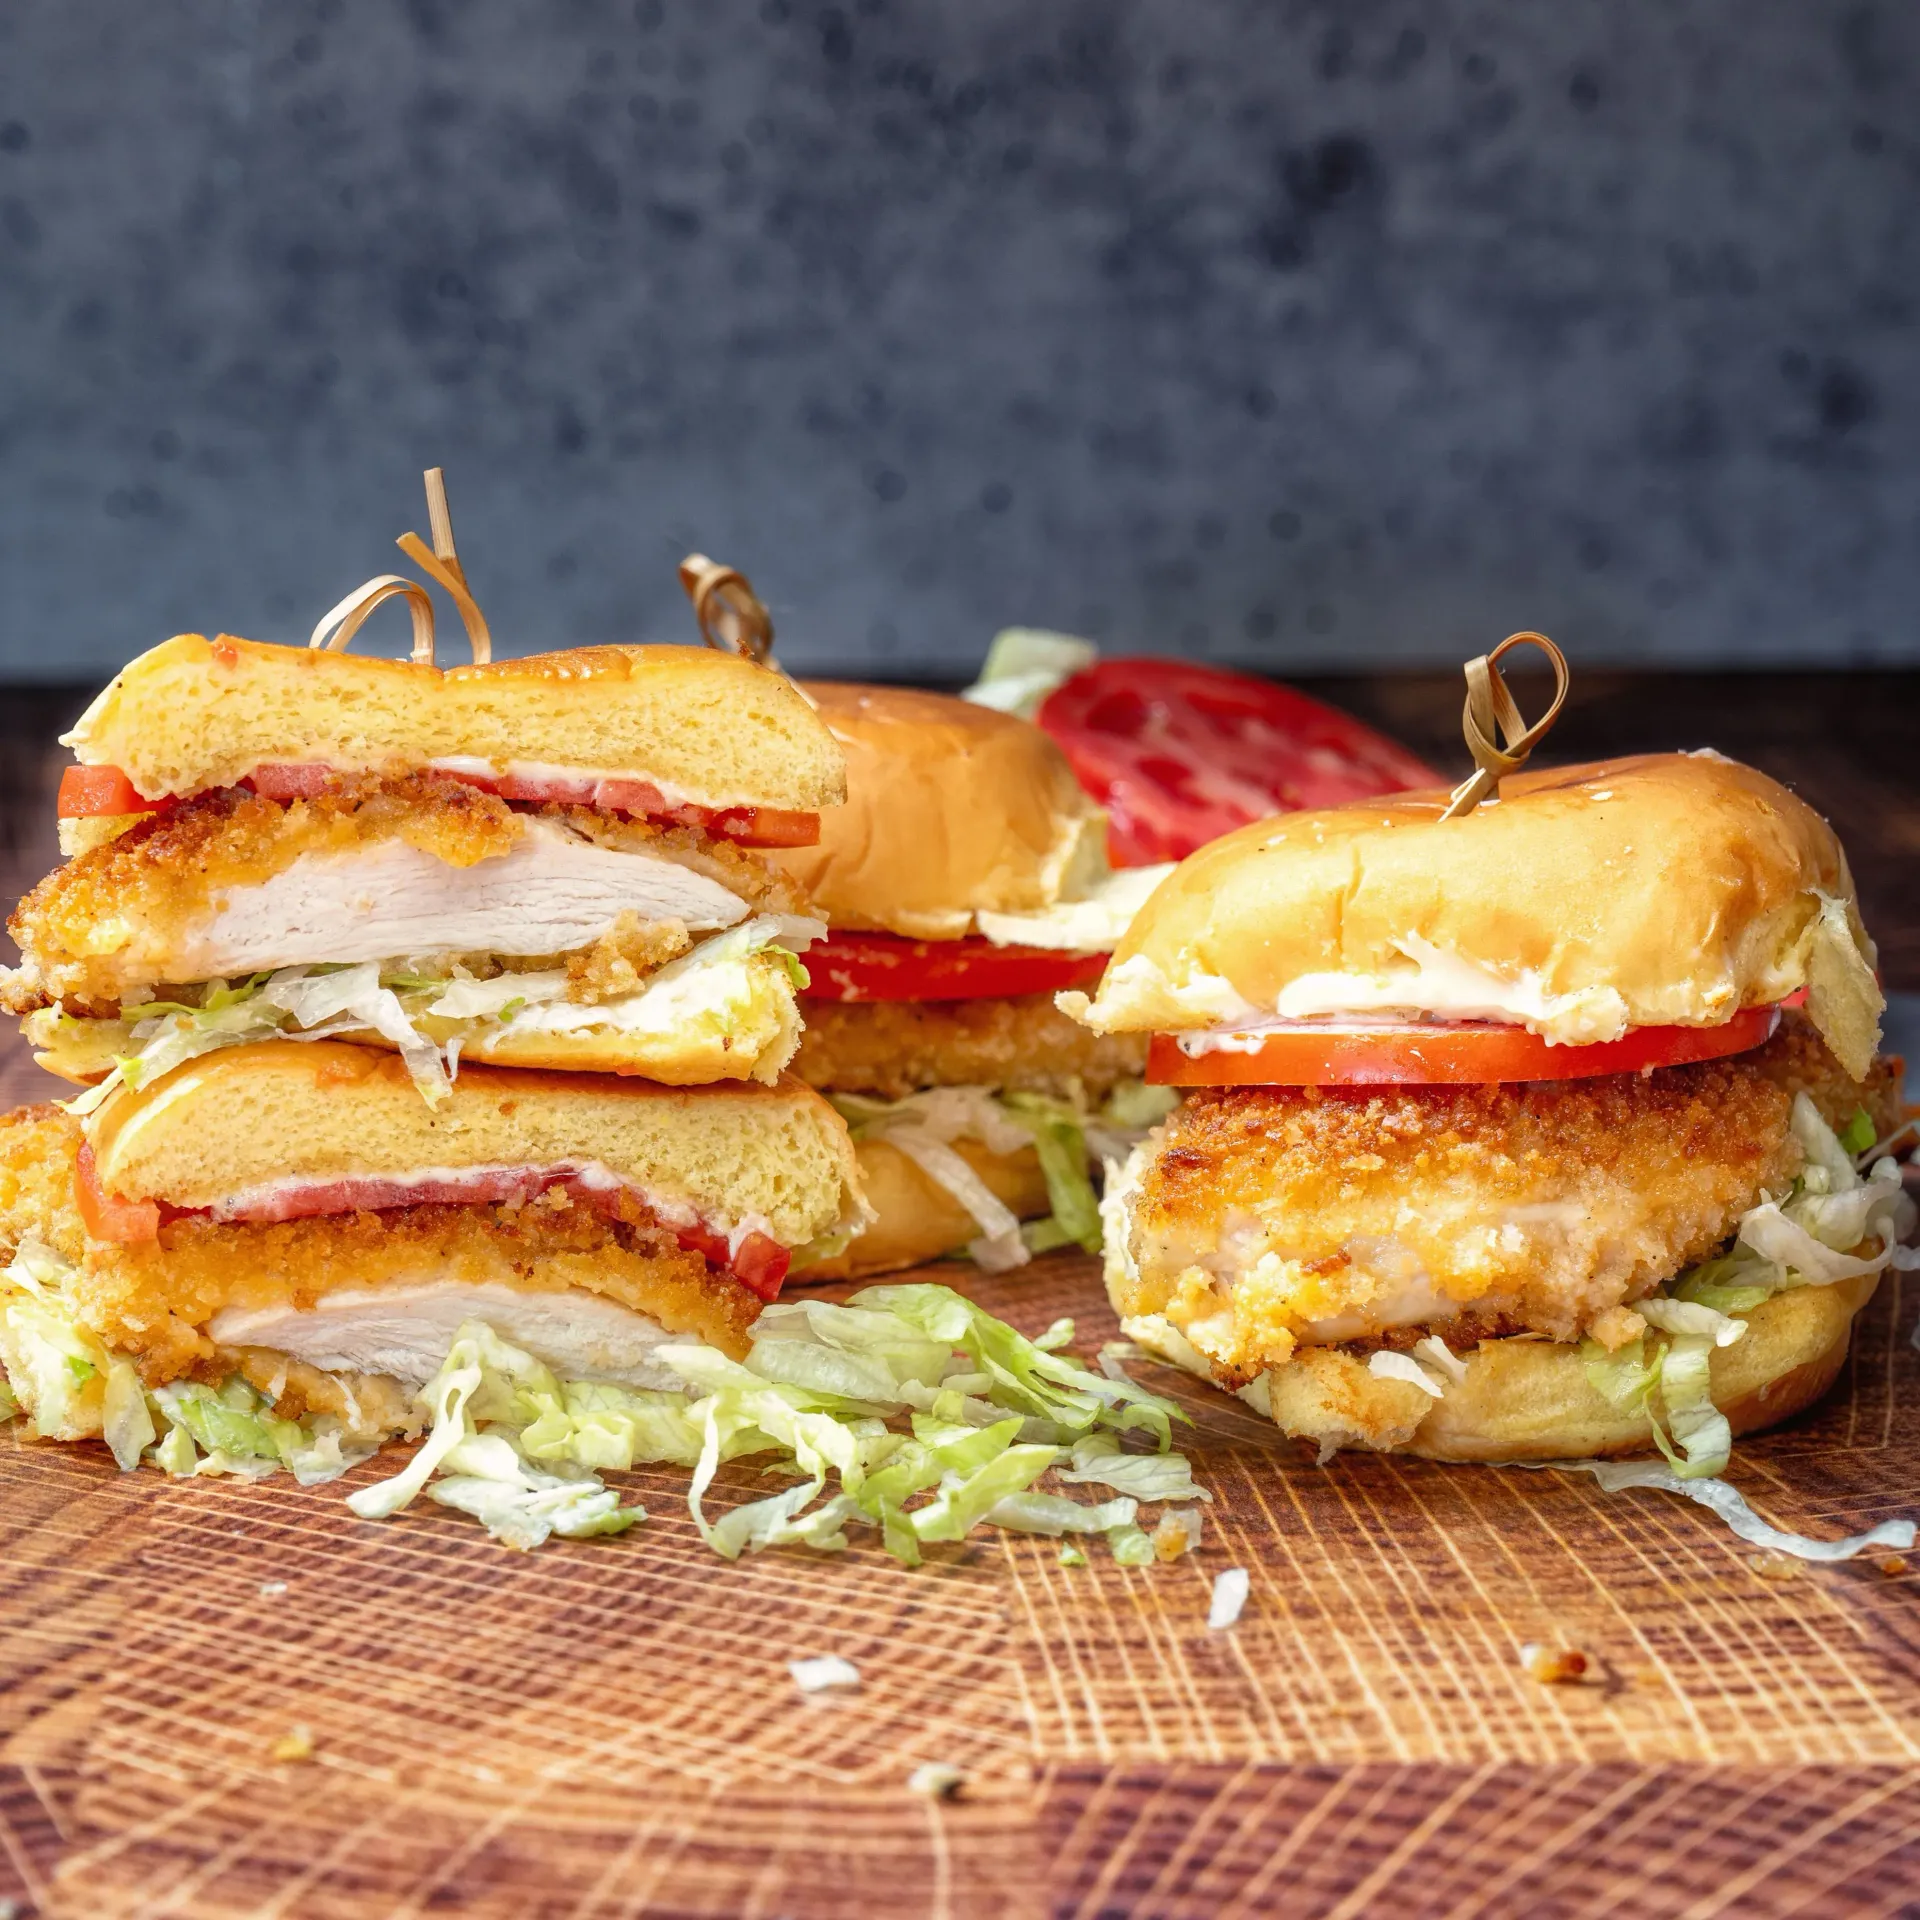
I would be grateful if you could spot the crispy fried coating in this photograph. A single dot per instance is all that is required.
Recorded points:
(1265, 1216)
(160, 877)
(892, 1048)
(38, 1146)
(155, 1302)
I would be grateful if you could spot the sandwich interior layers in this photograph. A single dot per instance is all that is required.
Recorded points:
(1337, 1253)
(422, 913)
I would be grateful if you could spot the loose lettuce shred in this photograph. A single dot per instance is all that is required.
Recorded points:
(73, 1388)
(709, 986)
(1024, 665)
(908, 1412)
(1616, 1476)
(1808, 1238)
(1067, 1135)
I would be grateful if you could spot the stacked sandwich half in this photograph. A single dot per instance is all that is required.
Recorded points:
(408, 996)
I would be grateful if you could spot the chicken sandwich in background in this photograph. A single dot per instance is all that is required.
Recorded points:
(965, 882)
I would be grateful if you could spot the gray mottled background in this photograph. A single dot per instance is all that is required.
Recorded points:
(1302, 334)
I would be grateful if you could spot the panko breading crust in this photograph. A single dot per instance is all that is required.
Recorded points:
(1264, 1216)
(891, 1048)
(154, 1302)
(161, 876)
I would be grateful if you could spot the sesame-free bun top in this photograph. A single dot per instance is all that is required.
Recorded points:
(711, 728)
(233, 1121)
(952, 810)
(1663, 890)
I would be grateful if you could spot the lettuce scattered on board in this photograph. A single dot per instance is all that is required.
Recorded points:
(1067, 1136)
(1617, 1476)
(908, 1412)
(928, 1416)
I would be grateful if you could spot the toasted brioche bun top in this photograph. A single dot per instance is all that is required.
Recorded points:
(1663, 890)
(952, 810)
(237, 1120)
(711, 728)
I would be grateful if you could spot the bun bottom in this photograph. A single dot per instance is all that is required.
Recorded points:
(1531, 1399)
(918, 1220)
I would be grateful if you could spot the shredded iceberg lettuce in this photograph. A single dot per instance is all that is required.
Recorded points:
(1730, 1504)
(73, 1387)
(1024, 665)
(1807, 1238)
(711, 985)
(1067, 1135)
(933, 1418)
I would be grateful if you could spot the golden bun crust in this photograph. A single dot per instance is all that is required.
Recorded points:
(1663, 890)
(1527, 1400)
(952, 810)
(1532, 1400)
(194, 713)
(917, 1220)
(237, 1119)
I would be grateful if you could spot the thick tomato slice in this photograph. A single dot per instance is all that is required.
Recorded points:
(1179, 754)
(105, 1215)
(301, 782)
(884, 966)
(766, 826)
(92, 792)
(761, 1265)
(1421, 1055)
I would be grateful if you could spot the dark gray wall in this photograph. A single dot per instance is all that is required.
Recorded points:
(1294, 334)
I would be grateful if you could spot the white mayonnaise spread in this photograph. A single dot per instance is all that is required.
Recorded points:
(1092, 923)
(406, 1331)
(475, 768)
(552, 891)
(1437, 986)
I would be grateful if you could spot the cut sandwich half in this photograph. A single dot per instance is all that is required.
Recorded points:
(295, 1217)
(548, 862)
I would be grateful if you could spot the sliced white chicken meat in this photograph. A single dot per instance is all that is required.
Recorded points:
(406, 1331)
(550, 893)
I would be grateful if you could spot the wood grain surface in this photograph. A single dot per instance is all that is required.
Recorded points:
(608, 1728)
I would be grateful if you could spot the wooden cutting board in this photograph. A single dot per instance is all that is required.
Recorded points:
(609, 1728)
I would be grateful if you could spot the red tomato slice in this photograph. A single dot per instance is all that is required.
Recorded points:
(105, 1215)
(367, 1193)
(884, 966)
(1179, 754)
(761, 1265)
(91, 792)
(1423, 1055)
(289, 782)
(765, 826)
